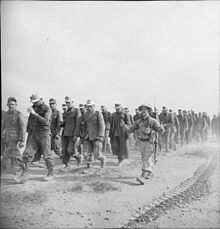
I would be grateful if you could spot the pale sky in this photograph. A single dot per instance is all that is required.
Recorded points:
(162, 53)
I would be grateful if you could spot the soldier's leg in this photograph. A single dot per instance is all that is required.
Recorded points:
(146, 150)
(45, 144)
(87, 152)
(115, 145)
(16, 156)
(71, 148)
(97, 151)
(65, 156)
(56, 145)
(172, 141)
(182, 136)
(32, 146)
(187, 137)
(166, 139)
(37, 156)
(5, 160)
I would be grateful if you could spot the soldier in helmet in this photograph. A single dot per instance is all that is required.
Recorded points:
(147, 128)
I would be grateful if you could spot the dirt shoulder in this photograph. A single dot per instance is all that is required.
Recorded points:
(94, 197)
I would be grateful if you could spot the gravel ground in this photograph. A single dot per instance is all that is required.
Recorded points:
(98, 198)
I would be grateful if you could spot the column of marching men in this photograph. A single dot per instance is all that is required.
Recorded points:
(87, 134)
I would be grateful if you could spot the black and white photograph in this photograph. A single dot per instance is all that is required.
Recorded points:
(110, 114)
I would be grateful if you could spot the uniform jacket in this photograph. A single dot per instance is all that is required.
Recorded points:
(14, 126)
(41, 122)
(95, 125)
(56, 123)
(69, 122)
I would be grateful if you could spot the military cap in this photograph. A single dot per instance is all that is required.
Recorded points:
(184, 111)
(147, 105)
(102, 106)
(64, 105)
(89, 102)
(68, 99)
(117, 105)
(51, 100)
(81, 105)
(164, 107)
(170, 110)
(179, 109)
(12, 99)
(34, 98)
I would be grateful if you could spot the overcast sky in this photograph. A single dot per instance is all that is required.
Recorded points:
(163, 53)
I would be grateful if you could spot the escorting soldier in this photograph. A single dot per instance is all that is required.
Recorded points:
(69, 137)
(107, 119)
(183, 122)
(39, 122)
(13, 133)
(147, 128)
(56, 129)
(119, 137)
(94, 138)
(167, 121)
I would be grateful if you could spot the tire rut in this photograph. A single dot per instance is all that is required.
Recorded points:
(190, 189)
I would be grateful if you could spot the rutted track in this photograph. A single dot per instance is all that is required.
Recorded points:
(188, 190)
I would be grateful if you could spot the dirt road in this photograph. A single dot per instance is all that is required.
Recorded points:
(110, 197)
